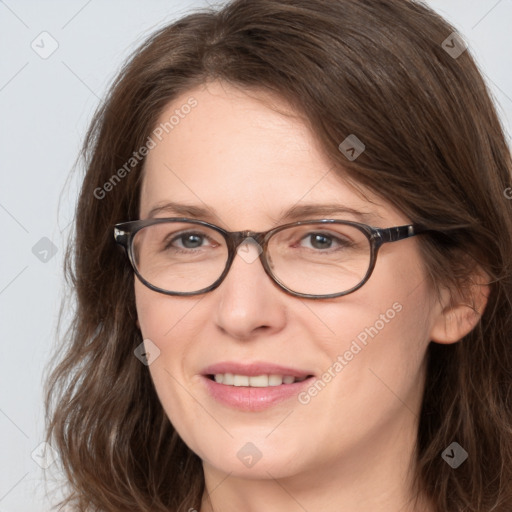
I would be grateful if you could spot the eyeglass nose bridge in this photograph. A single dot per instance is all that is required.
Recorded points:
(237, 238)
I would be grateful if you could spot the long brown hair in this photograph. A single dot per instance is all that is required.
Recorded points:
(435, 149)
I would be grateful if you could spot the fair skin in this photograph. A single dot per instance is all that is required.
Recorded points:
(351, 447)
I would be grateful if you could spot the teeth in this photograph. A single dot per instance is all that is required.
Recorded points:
(275, 380)
(240, 380)
(259, 381)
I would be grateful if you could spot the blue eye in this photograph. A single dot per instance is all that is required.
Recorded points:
(194, 238)
(325, 241)
(188, 242)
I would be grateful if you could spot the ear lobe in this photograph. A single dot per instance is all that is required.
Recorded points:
(456, 321)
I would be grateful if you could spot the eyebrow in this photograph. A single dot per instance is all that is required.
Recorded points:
(295, 213)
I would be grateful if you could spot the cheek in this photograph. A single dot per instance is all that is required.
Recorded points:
(383, 357)
(169, 323)
(152, 313)
(158, 316)
(379, 337)
(163, 317)
(384, 337)
(389, 314)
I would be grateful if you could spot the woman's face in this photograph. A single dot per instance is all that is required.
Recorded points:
(247, 165)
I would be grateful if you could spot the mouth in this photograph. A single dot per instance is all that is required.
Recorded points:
(257, 381)
(254, 387)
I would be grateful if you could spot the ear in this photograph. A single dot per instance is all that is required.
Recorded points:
(458, 315)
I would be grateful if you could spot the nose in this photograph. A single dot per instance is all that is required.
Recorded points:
(248, 302)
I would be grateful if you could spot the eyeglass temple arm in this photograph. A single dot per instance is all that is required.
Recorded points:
(121, 237)
(400, 232)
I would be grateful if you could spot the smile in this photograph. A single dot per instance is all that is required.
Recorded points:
(253, 387)
(258, 381)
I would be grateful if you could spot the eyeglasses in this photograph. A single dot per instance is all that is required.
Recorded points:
(314, 259)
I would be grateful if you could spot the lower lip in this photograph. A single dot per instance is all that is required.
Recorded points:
(245, 398)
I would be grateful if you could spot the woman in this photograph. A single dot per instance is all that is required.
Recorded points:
(309, 303)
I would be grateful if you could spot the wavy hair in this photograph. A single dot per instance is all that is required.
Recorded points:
(435, 149)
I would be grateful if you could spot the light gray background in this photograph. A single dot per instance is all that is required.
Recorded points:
(45, 108)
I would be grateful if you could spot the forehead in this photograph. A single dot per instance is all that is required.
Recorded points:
(246, 157)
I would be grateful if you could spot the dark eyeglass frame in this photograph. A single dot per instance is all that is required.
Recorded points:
(124, 233)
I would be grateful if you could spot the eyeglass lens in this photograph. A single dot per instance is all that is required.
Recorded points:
(316, 259)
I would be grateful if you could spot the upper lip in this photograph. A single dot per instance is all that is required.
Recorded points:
(254, 369)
